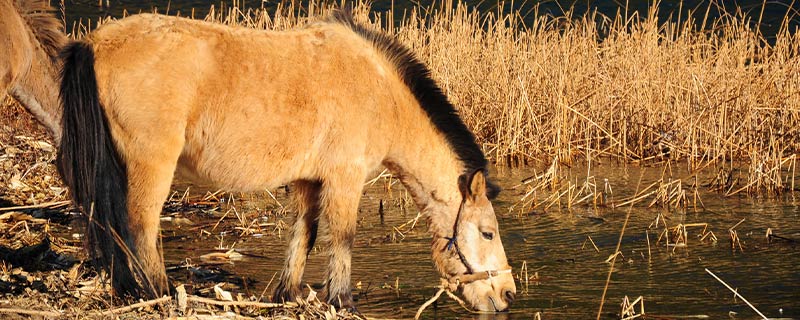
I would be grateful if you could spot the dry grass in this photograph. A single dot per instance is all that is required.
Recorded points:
(42, 275)
(27, 173)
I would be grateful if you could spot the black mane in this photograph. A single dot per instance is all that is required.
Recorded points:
(417, 77)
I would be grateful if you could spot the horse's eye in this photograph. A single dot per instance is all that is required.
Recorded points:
(487, 235)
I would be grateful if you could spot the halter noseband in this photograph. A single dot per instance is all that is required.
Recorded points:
(470, 275)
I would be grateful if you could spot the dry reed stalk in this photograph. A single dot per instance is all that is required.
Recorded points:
(560, 190)
(680, 236)
(628, 308)
(523, 275)
(120, 310)
(33, 313)
(409, 225)
(736, 293)
(770, 235)
(613, 258)
(589, 239)
(735, 236)
(47, 205)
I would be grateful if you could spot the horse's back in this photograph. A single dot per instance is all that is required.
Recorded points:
(248, 108)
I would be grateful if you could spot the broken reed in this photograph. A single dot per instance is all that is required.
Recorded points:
(634, 89)
(559, 187)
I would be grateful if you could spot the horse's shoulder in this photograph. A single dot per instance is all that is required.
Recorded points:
(335, 34)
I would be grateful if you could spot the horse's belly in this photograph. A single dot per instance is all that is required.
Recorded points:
(239, 171)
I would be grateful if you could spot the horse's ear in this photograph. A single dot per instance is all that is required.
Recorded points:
(477, 185)
(472, 185)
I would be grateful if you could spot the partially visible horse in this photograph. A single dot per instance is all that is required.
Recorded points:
(30, 39)
(319, 107)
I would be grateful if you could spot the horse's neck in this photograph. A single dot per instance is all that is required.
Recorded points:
(429, 169)
(28, 71)
(36, 89)
(36, 84)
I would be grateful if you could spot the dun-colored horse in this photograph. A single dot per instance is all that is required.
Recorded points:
(319, 107)
(30, 39)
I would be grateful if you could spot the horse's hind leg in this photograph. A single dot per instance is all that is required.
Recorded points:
(304, 233)
(149, 179)
(340, 196)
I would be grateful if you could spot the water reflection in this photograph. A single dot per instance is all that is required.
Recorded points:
(565, 274)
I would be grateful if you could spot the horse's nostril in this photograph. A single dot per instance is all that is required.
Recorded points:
(510, 296)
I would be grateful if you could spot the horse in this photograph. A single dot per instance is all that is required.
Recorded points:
(319, 107)
(29, 59)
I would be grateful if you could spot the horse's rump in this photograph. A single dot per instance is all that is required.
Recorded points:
(94, 172)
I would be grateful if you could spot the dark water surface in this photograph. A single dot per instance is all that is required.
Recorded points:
(774, 12)
(571, 276)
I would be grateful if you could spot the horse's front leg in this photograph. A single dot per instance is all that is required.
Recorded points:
(304, 234)
(340, 197)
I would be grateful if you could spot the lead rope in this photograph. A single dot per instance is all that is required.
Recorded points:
(451, 284)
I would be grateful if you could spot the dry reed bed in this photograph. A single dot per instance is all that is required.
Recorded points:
(633, 90)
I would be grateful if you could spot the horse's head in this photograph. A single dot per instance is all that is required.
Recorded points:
(472, 256)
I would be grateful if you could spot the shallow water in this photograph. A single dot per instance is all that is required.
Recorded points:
(672, 281)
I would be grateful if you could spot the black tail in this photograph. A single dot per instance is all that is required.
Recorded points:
(91, 167)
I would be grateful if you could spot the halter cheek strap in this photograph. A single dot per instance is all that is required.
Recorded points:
(452, 242)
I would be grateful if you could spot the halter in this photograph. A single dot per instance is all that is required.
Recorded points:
(469, 276)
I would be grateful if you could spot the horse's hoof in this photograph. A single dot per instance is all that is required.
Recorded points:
(283, 295)
(344, 301)
(353, 310)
